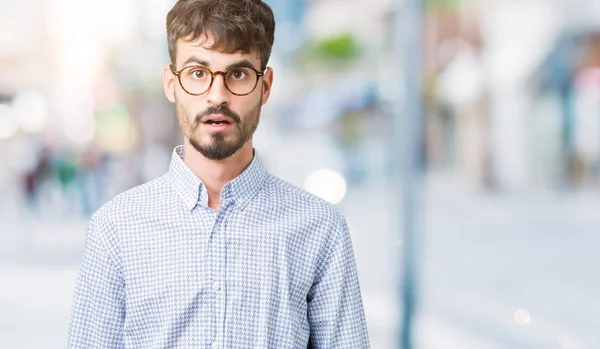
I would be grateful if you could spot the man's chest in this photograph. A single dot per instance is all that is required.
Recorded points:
(249, 259)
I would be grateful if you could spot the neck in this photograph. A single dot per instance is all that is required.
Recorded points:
(216, 173)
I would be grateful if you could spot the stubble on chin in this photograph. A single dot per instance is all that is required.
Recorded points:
(219, 145)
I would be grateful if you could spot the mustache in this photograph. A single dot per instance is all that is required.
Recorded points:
(223, 110)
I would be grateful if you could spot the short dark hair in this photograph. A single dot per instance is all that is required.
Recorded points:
(233, 25)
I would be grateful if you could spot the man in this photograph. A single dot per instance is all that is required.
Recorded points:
(217, 253)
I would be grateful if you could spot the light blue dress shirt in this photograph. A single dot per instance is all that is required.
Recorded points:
(273, 268)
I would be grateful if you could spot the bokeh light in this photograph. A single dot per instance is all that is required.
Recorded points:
(81, 132)
(327, 184)
(31, 111)
(8, 125)
(522, 317)
(116, 132)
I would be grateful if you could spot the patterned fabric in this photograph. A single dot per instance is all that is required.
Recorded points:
(273, 268)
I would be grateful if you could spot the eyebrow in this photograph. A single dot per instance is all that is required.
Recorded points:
(195, 60)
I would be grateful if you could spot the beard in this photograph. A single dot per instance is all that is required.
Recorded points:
(220, 145)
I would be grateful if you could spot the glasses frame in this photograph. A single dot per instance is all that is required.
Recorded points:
(177, 73)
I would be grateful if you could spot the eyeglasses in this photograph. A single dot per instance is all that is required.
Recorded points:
(197, 79)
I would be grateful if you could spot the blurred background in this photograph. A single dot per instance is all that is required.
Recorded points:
(508, 195)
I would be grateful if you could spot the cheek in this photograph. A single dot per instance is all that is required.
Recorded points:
(186, 110)
(184, 120)
(248, 108)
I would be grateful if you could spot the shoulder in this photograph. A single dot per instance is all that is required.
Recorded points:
(142, 198)
(302, 202)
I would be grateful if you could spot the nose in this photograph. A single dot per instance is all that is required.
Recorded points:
(218, 94)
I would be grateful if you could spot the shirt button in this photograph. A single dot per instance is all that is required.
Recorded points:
(215, 345)
(216, 287)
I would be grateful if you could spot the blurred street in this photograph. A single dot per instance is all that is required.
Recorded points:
(486, 258)
(495, 103)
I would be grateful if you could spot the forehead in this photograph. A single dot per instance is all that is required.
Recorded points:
(198, 50)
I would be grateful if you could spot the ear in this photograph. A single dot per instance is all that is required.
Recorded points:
(169, 81)
(267, 82)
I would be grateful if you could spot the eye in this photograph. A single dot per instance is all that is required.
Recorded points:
(198, 73)
(238, 74)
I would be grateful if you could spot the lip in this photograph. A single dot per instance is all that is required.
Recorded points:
(217, 128)
(217, 117)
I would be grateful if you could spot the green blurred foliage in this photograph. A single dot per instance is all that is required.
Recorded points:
(339, 47)
(340, 50)
(445, 4)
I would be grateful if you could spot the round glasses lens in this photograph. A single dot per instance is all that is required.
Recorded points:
(241, 80)
(195, 80)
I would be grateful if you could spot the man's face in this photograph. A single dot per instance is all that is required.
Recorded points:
(217, 123)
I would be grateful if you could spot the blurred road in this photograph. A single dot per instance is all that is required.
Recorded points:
(497, 270)
(485, 257)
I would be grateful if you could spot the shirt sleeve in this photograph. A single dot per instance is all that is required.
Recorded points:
(335, 310)
(99, 303)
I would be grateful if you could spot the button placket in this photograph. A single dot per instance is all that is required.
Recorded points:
(218, 281)
(215, 257)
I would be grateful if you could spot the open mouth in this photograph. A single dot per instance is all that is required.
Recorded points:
(217, 122)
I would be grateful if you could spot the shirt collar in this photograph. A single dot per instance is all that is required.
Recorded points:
(192, 190)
